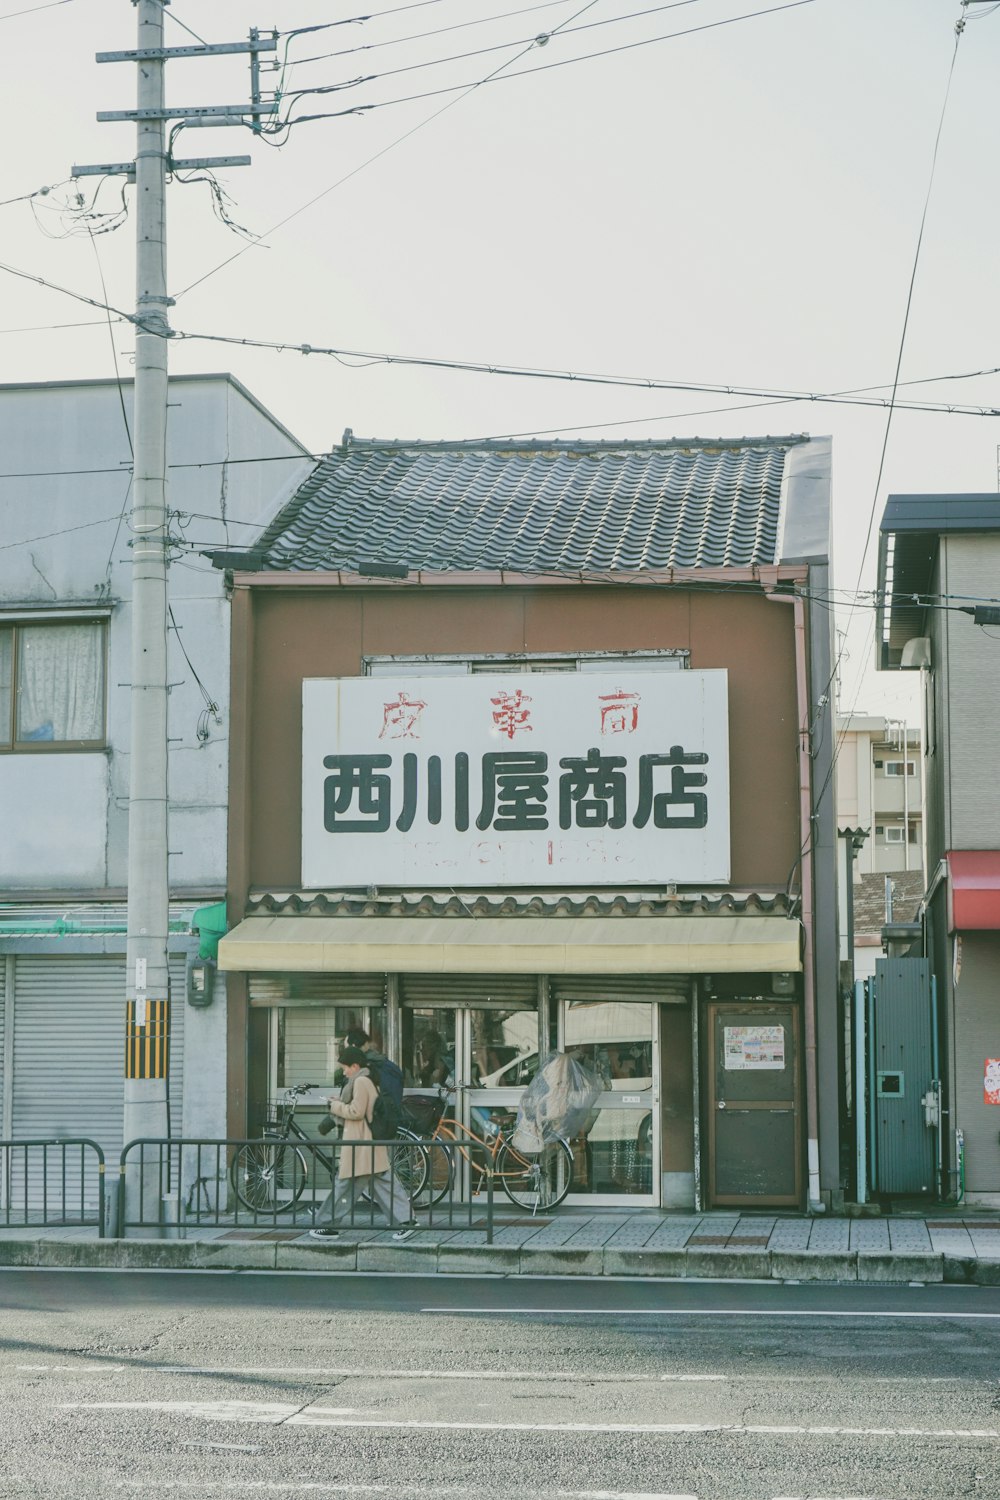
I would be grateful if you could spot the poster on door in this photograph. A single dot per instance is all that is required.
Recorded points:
(991, 1081)
(747, 1048)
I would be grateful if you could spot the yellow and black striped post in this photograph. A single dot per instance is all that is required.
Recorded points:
(147, 1045)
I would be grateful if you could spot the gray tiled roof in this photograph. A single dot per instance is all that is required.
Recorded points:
(550, 904)
(869, 899)
(535, 507)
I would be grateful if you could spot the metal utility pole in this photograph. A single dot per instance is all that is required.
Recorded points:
(147, 1029)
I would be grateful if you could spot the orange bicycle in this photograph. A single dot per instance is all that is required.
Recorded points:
(532, 1180)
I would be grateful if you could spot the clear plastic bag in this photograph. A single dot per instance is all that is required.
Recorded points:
(557, 1102)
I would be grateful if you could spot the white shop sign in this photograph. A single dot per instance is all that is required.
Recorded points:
(506, 779)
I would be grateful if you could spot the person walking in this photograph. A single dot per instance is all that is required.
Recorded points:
(363, 1168)
(387, 1075)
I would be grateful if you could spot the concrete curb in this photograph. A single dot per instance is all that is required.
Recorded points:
(970, 1272)
(455, 1257)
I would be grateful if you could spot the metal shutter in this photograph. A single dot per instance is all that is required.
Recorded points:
(318, 989)
(509, 990)
(69, 1035)
(668, 989)
(3, 1036)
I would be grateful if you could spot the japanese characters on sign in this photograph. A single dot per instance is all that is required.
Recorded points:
(564, 778)
(991, 1081)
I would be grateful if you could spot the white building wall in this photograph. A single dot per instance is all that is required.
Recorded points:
(973, 727)
(64, 484)
(868, 798)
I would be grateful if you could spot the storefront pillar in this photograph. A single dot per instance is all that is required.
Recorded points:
(393, 1040)
(544, 1014)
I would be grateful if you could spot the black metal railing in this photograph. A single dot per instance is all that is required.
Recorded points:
(286, 1184)
(52, 1183)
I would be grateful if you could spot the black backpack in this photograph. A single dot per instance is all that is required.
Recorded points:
(386, 1115)
(387, 1077)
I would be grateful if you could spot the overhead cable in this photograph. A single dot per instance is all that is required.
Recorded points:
(564, 62)
(420, 36)
(539, 40)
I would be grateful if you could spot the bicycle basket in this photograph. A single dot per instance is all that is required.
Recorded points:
(278, 1114)
(421, 1112)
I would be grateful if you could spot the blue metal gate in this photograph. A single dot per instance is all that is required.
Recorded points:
(896, 1032)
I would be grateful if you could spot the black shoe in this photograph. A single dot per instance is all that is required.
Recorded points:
(326, 1233)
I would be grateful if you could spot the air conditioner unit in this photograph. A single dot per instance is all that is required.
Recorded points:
(916, 653)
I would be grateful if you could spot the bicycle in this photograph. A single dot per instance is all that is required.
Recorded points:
(533, 1181)
(270, 1175)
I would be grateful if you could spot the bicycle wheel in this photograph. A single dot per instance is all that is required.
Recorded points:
(440, 1172)
(409, 1163)
(539, 1181)
(268, 1176)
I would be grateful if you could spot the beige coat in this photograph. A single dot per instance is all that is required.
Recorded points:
(362, 1161)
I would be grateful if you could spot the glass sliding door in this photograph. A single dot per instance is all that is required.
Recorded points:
(483, 1055)
(306, 1041)
(616, 1155)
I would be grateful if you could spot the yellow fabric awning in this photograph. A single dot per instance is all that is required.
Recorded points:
(513, 945)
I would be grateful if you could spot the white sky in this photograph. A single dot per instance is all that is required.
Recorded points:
(736, 206)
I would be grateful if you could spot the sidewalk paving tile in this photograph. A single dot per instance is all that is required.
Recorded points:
(790, 1234)
(752, 1232)
(985, 1243)
(955, 1240)
(595, 1233)
(516, 1234)
(909, 1235)
(632, 1235)
(555, 1233)
(831, 1236)
(870, 1235)
(673, 1234)
(421, 1236)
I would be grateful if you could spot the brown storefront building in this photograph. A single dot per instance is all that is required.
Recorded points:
(532, 748)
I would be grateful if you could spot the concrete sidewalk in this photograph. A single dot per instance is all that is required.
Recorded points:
(725, 1246)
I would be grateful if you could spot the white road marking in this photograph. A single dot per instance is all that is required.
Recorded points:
(73, 1369)
(430, 1374)
(212, 1411)
(702, 1312)
(228, 1447)
(545, 1376)
(353, 1418)
(313, 1487)
(317, 1417)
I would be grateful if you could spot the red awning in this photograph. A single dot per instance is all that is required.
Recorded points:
(975, 889)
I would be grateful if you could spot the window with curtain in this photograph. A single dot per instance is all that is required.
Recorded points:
(52, 684)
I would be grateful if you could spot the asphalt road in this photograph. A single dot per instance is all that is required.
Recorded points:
(219, 1385)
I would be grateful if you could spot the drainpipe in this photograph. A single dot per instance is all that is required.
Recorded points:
(806, 832)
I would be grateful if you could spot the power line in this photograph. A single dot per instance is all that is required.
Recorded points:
(55, 327)
(211, 707)
(355, 20)
(369, 161)
(419, 36)
(632, 382)
(51, 5)
(547, 67)
(480, 367)
(535, 41)
(892, 407)
(53, 286)
(62, 531)
(41, 192)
